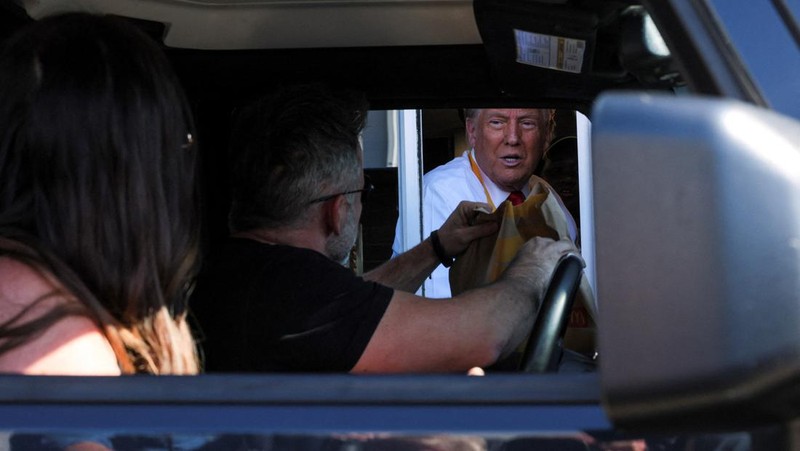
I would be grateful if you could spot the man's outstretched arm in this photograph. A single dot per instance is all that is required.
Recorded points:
(475, 328)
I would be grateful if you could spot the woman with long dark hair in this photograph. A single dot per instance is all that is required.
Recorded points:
(98, 202)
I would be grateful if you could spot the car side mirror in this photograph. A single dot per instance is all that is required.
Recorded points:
(697, 232)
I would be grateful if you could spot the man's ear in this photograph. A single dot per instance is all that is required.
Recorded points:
(335, 214)
(471, 132)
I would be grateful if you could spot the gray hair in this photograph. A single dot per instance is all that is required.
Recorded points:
(296, 146)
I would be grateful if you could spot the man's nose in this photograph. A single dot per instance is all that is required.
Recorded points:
(512, 135)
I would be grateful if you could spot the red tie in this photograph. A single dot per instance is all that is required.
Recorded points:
(516, 198)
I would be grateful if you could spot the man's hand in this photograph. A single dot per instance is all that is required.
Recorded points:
(407, 271)
(457, 231)
(536, 260)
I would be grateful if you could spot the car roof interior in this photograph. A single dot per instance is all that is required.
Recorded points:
(403, 54)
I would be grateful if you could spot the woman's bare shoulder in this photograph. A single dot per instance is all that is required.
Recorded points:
(73, 345)
(20, 286)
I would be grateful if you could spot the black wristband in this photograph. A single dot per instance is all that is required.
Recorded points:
(439, 250)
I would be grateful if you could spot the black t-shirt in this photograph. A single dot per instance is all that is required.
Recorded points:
(262, 307)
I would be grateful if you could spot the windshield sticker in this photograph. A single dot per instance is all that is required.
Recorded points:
(551, 52)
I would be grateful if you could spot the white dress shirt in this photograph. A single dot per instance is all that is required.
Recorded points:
(442, 190)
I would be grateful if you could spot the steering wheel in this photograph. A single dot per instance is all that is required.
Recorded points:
(544, 347)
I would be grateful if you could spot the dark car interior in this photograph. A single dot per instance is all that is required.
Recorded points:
(602, 45)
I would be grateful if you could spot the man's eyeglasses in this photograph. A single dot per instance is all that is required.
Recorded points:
(368, 187)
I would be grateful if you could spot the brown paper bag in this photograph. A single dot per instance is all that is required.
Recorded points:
(485, 259)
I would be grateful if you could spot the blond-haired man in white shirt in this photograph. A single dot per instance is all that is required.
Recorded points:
(507, 146)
